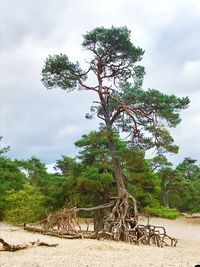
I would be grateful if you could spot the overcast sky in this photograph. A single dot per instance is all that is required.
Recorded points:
(46, 123)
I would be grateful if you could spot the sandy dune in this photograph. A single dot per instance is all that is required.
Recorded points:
(73, 253)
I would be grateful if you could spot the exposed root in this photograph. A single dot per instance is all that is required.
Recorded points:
(120, 224)
(121, 219)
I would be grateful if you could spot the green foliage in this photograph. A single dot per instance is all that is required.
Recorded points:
(151, 112)
(162, 212)
(95, 149)
(60, 72)
(170, 183)
(189, 169)
(144, 191)
(94, 183)
(69, 171)
(180, 187)
(126, 105)
(158, 162)
(90, 181)
(35, 170)
(10, 175)
(121, 54)
(194, 202)
(51, 186)
(166, 107)
(55, 190)
(3, 150)
(123, 105)
(68, 166)
(97, 177)
(10, 178)
(55, 187)
(24, 206)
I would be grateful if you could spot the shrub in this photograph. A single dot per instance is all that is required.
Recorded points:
(24, 206)
(162, 212)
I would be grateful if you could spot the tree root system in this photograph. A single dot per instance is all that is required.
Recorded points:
(120, 224)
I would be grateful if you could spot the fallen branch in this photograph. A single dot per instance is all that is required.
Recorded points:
(34, 229)
(12, 248)
(100, 207)
(192, 216)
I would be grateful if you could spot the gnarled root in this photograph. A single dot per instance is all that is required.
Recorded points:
(120, 223)
(122, 218)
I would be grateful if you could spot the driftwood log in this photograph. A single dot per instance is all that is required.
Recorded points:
(118, 224)
(12, 248)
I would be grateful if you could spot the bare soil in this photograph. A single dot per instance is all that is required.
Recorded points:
(104, 253)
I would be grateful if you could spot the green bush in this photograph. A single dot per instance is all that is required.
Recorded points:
(24, 206)
(162, 212)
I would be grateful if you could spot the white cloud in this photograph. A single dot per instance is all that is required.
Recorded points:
(191, 72)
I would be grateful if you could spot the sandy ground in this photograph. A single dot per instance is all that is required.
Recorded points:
(73, 253)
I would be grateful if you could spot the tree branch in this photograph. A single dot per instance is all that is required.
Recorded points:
(105, 206)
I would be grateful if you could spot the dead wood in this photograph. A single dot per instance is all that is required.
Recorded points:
(38, 243)
(34, 229)
(191, 216)
(12, 248)
(8, 247)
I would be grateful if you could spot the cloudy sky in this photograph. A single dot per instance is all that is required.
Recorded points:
(45, 123)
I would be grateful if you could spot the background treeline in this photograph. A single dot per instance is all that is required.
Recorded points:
(28, 191)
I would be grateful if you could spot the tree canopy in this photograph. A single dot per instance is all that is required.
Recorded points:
(123, 105)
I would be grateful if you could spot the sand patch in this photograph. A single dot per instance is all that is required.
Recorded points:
(91, 253)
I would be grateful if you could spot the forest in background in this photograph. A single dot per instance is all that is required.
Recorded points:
(29, 192)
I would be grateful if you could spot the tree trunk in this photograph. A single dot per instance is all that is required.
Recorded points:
(106, 113)
(166, 199)
(98, 214)
(164, 191)
(98, 220)
(116, 164)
